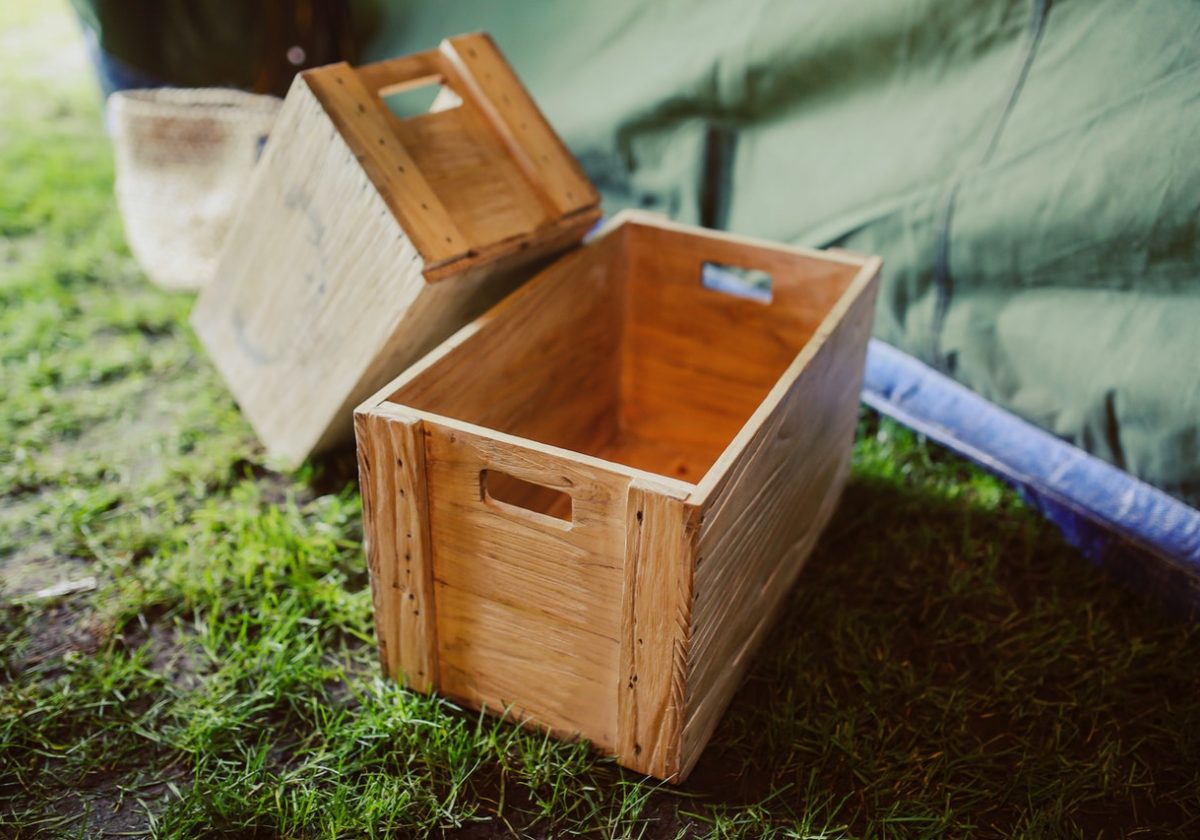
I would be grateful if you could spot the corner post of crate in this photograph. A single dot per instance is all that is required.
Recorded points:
(656, 623)
(391, 474)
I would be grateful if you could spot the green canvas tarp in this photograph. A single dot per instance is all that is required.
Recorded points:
(1029, 171)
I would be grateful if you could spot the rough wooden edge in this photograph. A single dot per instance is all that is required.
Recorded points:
(673, 488)
(861, 285)
(391, 474)
(656, 622)
(647, 218)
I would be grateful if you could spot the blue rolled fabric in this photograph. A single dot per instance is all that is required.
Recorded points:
(1118, 521)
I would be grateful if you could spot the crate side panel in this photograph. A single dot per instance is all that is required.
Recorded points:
(391, 474)
(762, 521)
(311, 283)
(486, 194)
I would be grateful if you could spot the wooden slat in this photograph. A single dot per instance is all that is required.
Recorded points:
(391, 465)
(660, 550)
(766, 502)
(491, 83)
(359, 116)
(380, 75)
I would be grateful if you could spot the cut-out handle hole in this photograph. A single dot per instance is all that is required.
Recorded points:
(734, 280)
(419, 96)
(513, 492)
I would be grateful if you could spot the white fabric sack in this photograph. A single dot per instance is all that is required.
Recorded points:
(183, 158)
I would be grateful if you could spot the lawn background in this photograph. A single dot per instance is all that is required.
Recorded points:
(946, 667)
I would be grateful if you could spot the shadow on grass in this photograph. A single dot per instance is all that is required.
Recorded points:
(947, 666)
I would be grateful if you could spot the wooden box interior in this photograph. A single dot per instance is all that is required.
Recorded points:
(628, 356)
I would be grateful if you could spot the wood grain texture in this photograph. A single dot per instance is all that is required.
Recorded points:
(391, 473)
(698, 362)
(467, 183)
(362, 120)
(490, 82)
(365, 239)
(514, 574)
(307, 256)
(660, 550)
(766, 502)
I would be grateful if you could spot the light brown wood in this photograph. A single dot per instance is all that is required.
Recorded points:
(365, 239)
(671, 453)
(498, 91)
(391, 469)
(656, 622)
(550, 356)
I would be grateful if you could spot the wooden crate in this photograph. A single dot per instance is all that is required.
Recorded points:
(367, 237)
(587, 506)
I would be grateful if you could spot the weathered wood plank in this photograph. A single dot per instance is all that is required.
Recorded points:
(391, 473)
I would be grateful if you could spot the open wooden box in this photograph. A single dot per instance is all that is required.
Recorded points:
(586, 506)
(370, 233)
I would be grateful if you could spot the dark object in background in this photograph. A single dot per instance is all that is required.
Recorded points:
(256, 46)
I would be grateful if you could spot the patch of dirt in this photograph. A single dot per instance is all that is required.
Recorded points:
(168, 651)
(61, 628)
(117, 806)
(31, 568)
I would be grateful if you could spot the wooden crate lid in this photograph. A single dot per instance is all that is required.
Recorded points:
(476, 178)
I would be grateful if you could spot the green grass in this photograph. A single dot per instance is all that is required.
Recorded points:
(946, 667)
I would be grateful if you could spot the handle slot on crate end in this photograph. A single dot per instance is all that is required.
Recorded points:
(414, 97)
(526, 497)
(735, 280)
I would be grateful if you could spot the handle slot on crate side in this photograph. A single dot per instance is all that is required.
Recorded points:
(526, 497)
(738, 281)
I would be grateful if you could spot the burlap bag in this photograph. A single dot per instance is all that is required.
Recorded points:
(183, 158)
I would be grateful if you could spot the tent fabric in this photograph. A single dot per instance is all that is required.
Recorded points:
(1119, 522)
(1028, 170)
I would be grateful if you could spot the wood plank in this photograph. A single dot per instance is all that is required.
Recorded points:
(498, 657)
(656, 618)
(489, 197)
(391, 471)
(306, 256)
(765, 503)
